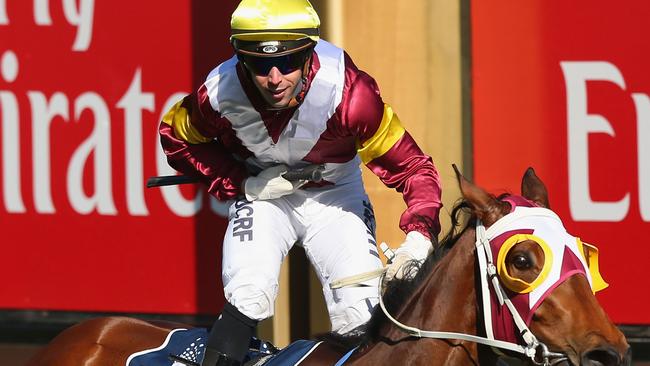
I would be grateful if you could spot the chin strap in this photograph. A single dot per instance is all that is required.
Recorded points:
(300, 96)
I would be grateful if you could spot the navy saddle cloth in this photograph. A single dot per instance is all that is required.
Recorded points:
(185, 347)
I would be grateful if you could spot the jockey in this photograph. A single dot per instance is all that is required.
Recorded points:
(286, 100)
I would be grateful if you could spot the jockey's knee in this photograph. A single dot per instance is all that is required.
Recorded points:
(352, 316)
(256, 302)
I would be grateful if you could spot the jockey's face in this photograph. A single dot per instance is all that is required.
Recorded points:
(276, 88)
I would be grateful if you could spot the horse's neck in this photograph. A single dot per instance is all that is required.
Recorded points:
(446, 299)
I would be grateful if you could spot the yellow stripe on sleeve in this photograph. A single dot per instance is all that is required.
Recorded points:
(389, 132)
(178, 118)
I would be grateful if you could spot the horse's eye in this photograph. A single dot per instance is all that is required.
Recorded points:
(522, 262)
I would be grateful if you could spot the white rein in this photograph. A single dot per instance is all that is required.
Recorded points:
(484, 254)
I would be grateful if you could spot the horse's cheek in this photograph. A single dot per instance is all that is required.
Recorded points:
(549, 320)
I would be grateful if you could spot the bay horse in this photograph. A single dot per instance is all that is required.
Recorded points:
(566, 327)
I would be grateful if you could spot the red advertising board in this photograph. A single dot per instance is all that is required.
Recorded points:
(83, 85)
(563, 86)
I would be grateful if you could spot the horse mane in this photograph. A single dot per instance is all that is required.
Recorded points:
(398, 289)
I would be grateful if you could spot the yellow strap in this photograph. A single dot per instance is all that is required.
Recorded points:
(389, 132)
(591, 256)
(178, 118)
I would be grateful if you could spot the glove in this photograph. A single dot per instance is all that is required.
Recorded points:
(415, 247)
(270, 184)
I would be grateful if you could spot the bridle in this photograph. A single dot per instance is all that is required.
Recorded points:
(532, 348)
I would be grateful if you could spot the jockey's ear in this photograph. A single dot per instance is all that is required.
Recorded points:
(485, 206)
(534, 189)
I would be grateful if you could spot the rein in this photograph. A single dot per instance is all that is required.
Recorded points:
(535, 350)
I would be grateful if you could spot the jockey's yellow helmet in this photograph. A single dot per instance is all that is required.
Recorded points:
(274, 33)
(274, 20)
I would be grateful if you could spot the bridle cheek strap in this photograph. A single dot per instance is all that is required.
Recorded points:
(488, 271)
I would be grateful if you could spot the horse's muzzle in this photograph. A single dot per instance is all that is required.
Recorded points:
(606, 356)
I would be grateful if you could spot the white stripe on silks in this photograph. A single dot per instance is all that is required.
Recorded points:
(227, 96)
(325, 93)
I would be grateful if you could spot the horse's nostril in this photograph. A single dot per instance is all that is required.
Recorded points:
(601, 357)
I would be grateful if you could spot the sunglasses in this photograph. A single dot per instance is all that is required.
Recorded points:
(286, 64)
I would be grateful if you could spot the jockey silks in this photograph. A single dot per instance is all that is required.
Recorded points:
(224, 132)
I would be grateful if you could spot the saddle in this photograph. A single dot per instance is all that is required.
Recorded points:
(186, 347)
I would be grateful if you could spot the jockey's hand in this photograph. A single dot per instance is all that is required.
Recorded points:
(270, 184)
(415, 247)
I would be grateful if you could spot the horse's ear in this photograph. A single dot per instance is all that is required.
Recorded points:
(484, 205)
(534, 189)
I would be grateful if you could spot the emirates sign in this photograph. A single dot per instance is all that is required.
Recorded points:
(563, 86)
(83, 86)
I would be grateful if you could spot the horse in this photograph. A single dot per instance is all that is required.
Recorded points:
(436, 316)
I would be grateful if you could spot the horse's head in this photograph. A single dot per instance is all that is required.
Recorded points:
(549, 276)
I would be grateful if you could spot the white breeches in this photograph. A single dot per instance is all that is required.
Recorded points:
(335, 225)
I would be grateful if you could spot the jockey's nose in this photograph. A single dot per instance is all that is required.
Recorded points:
(605, 357)
(275, 76)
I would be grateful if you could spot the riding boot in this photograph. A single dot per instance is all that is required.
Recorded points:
(214, 358)
(229, 338)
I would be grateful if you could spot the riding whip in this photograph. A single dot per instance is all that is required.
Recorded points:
(312, 173)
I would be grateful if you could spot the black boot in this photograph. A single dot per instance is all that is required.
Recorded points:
(214, 358)
(229, 338)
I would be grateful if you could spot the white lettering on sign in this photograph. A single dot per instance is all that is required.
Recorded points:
(97, 146)
(43, 112)
(82, 18)
(78, 13)
(42, 12)
(642, 103)
(133, 103)
(4, 20)
(10, 137)
(581, 124)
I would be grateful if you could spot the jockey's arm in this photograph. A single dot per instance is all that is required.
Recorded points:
(390, 152)
(187, 134)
